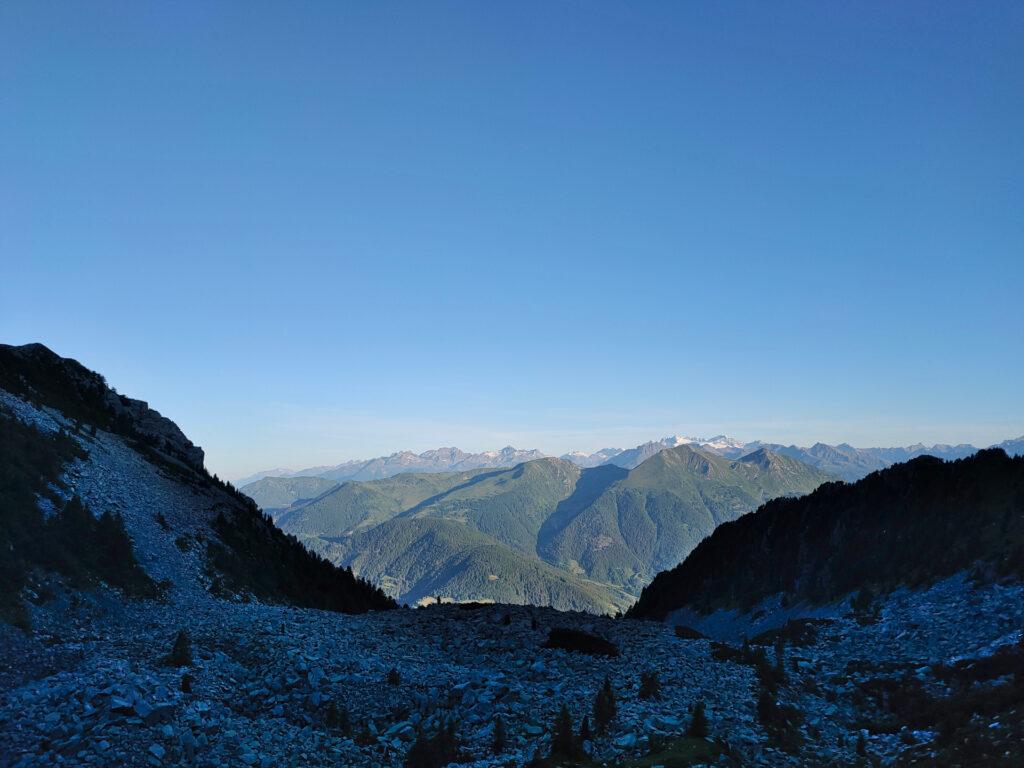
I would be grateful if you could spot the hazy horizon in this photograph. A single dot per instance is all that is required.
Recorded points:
(325, 232)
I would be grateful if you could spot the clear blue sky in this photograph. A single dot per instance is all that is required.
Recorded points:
(318, 231)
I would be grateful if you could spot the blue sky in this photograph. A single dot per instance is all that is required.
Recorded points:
(318, 231)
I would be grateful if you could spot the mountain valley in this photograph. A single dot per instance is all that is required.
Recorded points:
(555, 534)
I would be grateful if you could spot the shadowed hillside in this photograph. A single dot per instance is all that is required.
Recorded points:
(123, 440)
(910, 524)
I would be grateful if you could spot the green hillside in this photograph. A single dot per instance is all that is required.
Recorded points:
(355, 505)
(277, 493)
(506, 534)
(422, 558)
(510, 505)
(654, 516)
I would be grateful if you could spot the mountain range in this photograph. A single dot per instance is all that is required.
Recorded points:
(843, 460)
(544, 532)
(436, 460)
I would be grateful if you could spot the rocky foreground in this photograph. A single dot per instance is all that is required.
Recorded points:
(273, 686)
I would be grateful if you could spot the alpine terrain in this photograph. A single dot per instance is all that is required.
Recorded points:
(152, 616)
(545, 532)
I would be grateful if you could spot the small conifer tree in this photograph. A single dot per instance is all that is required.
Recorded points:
(604, 706)
(563, 741)
(181, 651)
(699, 722)
(585, 734)
(650, 686)
(500, 736)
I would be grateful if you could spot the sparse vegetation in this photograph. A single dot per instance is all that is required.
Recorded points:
(437, 750)
(650, 686)
(677, 753)
(337, 718)
(781, 721)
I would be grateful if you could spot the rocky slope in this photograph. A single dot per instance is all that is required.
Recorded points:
(190, 532)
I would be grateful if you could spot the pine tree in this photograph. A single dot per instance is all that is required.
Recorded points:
(563, 741)
(699, 723)
(500, 737)
(604, 706)
(585, 734)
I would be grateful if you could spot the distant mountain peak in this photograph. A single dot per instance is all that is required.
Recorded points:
(443, 459)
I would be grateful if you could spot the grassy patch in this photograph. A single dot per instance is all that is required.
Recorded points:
(679, 753)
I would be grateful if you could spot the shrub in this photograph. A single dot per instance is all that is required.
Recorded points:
(580, 642)
(862, 747)
(605, 707)
(181, 651)
(186, 683)
(393, 677)
(337, 718)
(699, 722)
(780, 721)
(435, 751)
(650, 686)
